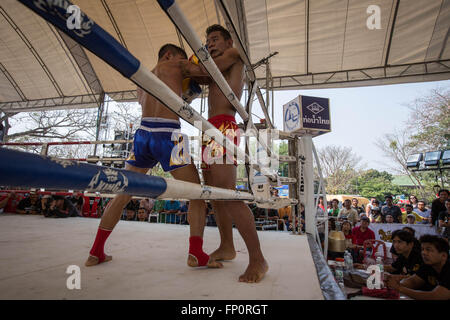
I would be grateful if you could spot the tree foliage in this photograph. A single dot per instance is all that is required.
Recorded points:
(373, 183)
(427, 129)
(340, 165)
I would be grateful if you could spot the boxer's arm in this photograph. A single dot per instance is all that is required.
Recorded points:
(227, 59)
(191, 70)
(223, 62)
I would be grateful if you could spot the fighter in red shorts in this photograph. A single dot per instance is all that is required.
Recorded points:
(223, 173)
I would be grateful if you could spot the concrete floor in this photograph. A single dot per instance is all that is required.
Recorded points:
(149, 262)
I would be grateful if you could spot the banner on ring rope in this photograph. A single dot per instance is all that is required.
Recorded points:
(310, 113)
(21, 169)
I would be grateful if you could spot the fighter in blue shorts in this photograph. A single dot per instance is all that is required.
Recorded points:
(159, 139)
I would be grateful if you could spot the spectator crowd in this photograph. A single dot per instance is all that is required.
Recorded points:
(418, 267)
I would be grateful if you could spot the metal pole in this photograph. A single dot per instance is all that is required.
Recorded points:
(293, 173)
(310, 212)
(267, 87)
(99, 120)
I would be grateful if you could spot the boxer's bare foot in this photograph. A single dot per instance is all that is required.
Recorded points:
(255, 272)
(92, 260)
(223, 254)
(193, 262)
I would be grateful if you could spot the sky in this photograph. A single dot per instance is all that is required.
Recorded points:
(359, 116)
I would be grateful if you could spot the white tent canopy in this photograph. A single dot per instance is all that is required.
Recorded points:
(320, 44)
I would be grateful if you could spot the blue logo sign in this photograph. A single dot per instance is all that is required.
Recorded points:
(292, 115)
(316, 113)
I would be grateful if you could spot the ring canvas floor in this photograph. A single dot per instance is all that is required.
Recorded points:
(149, 262)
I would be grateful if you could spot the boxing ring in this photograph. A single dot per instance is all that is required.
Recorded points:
(152, 264)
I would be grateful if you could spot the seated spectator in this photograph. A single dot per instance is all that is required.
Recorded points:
(78, 200)
(389, 218)
(147, 204)
(130, 215)
(410, 219)
(347, 230)
(423, 212)
(142, 214)
(348, 213)
(416, 242)
(356, 206)
(391, 209)
(409, 211)
(286, 215)
(444, 221)
(60, 207)
(334, 210)
(132, 209)
(360, 234)
(438, 206)
(320, 204)
(170, 209)
(375, 215)
(413, 201)
(31, 204)
(409, 258)
(370, 205)
(9, 202)
(182, 214)
(432, 280)
(285, 212)
(46, 201)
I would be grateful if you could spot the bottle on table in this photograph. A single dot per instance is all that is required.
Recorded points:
(348, 261)
(339, 273)
(381, 266)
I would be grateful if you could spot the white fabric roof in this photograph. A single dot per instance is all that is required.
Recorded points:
(321, 43)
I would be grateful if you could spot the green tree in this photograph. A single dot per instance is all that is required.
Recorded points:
(427, 129)
(373, 183)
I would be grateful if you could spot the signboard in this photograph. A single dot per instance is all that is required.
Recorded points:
(304, 112)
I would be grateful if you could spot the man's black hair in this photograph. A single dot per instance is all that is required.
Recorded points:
(439, 243)
(423, 201)
(388, 196)
(411, 230)
(444, 190)
(217, 27)
(169, 47)
(409, 205)
(403, 235)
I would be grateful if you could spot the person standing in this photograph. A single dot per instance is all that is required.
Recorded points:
(391, 209)
(438, 205)
(219, 164)
(444, 220)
